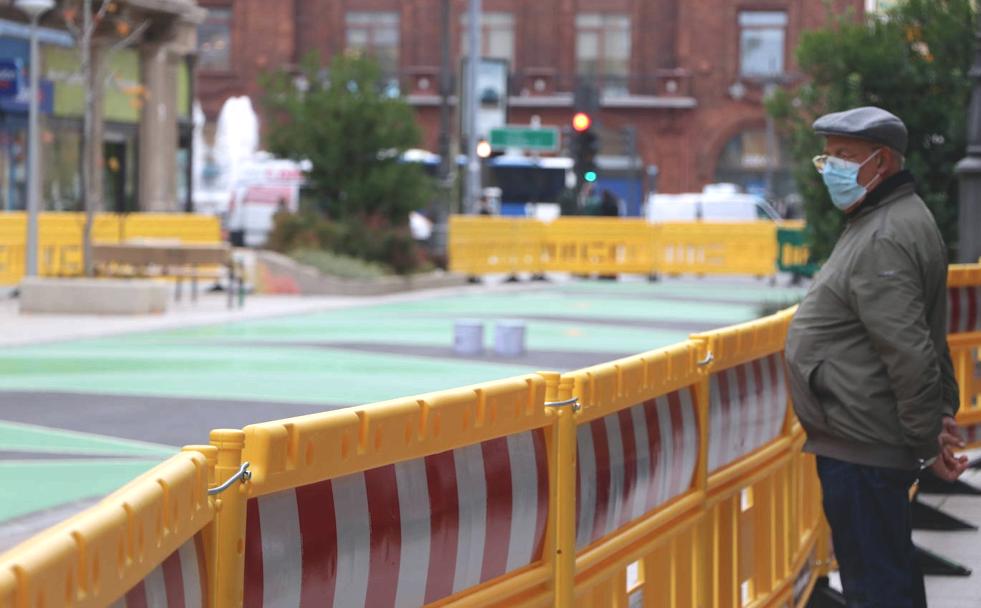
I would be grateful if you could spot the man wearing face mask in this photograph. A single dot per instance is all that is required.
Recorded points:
(869, 370)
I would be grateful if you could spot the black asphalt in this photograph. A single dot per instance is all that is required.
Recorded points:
(546, 360)
(166, 420)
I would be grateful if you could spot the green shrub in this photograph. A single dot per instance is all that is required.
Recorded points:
(382, 245)
(338, 265)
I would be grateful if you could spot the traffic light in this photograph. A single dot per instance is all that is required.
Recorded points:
(585, 145)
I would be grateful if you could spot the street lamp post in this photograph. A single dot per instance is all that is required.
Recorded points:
(34, 10)
(472, 97)
(969, 169)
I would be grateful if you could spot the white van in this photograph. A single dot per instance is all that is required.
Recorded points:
(263, 186)
(716, 203)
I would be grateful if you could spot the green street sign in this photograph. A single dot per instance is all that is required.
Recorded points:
(542, 139)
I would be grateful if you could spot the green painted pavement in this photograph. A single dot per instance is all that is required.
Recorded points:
(571, 335)
(17, 437)
(261, 374)
(206, 362)
(751, 293)
(33, 485)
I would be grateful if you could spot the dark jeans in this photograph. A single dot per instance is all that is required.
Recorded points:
(868, 509)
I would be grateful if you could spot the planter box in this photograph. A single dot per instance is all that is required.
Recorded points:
(94, 296)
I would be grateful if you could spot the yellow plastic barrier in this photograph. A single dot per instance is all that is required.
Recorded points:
(600, 245)
(717, 248)
(674, 478)
(188, 228)
(146, 538)
(487, 245)
(418, 500)
(640, 448)
(762, 500)
(964, 340)
(60, 237)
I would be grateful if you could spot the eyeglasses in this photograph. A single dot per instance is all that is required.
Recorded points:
(819, 162)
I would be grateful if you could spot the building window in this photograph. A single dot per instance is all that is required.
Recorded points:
(376, 34)
(603, 50)
(496, 36)
(761, 43)
(757, 166)
(215, 40)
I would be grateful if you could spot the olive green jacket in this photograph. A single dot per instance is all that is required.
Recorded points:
(868, 365)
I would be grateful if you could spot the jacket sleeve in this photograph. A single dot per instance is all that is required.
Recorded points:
(952, 398)
(886, 292)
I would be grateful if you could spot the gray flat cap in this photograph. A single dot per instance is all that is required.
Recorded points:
(869, 123)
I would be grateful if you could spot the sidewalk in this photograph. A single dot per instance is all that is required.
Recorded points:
(211, 308)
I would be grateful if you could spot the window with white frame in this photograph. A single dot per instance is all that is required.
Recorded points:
(603, 50)
(375, 33)
(215, 40)
(762, 36)
(496, 36)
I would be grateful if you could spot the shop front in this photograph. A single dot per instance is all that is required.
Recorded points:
(15, 50)
(123, 96)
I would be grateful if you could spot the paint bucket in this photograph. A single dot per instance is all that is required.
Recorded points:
(509, 338)
(468, 337)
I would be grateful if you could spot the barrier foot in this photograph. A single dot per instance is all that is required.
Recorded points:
(474, 280)
(539, 277)
(926, 517)
(931, 484)
(932, 564)
(512, 279)
(653, 278)
(824, 596)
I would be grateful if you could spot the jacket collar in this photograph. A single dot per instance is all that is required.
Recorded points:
(899, 183)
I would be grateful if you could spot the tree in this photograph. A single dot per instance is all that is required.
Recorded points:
(101, 18)
(353, 133)
(913, 62)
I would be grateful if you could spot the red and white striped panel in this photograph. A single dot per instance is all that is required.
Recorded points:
(747, 406)
(401, 535)
(972, 433)
(963, 309)
(632, 461)
(179, 582)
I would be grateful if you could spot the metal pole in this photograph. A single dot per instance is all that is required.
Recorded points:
(445, 86)
(473, 162)
(969, 169)
(33, 177)
(771, 144)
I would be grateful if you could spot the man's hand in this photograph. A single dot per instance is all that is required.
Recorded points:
(947, 466)
(950, 434)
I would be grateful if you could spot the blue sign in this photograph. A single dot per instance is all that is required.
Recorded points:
(9, 77)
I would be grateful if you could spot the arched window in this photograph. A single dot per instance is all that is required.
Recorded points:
(747, 161)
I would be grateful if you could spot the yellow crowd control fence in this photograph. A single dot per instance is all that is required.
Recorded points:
(60, 237)
(964, 340)
(673, 478)
(600, 245)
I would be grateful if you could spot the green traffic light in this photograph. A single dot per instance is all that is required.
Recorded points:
(589, 176)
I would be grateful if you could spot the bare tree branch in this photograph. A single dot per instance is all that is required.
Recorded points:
(98, 17)
(72, 27)
(103, 10)
(130, 38)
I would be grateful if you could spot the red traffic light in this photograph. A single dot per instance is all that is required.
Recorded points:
(581, 121)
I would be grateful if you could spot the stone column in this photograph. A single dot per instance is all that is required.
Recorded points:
(158, 130)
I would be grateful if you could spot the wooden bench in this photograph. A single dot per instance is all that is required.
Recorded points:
(177, 261)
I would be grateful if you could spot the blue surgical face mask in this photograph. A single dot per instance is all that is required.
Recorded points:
(841, 178)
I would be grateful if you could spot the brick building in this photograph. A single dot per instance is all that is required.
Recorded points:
(687, 75)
